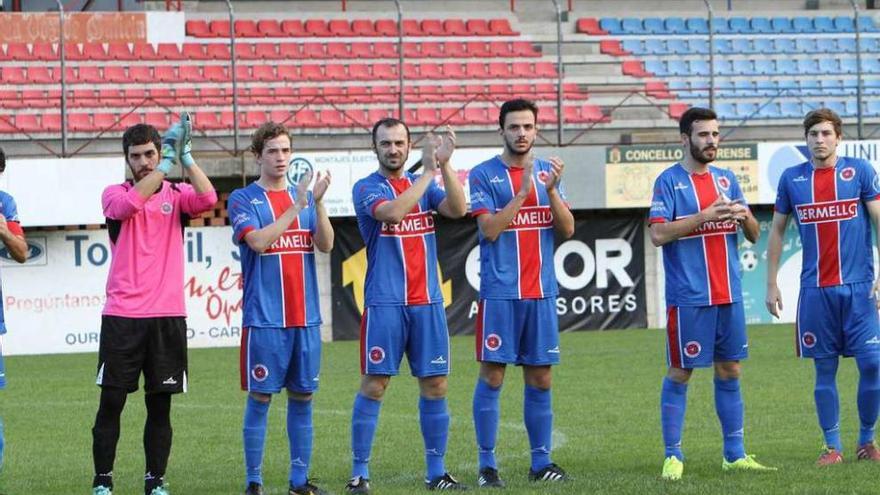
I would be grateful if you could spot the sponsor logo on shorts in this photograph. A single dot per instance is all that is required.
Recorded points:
(167, 208)
(847, 173)
(873, 340)
(808, 339)
(723, 183)
(170, 381)
(555, 350)
(439, 360)
(377, 354)
(692, 349)
(493, 342)
(260, 372)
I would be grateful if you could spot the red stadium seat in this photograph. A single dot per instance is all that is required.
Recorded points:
(36, 98)
(432, 49)
(306, 118)
(28, 123)
(431, 93)
(501, 27)
(94, 52)
(247, 28)
(10, 98)
(612, 47)
(386, 27)
(109, 97)
(426, 116)
(254, 119)
(332, 118)
(215, 73)
(245, 51)
(268, 96)
(104, 121)
(500, 91)
(634, 68)
(43, 51)
(217, 51)
(335, 94)
(194, 51)
(358, 94)
(524, 49)
(383, 49)
(270, 28)
(14, 75)
(384, 71)
(219, 28)
(265, 73)
(357, 117)
(522, 91)
(430, 71)
(90, 74)
(266, 51)
(280, 116)
(412, 50)
(310, 93)
(478, 27)
(544, 91)
(51, 122)
(384, 94)
(359, 72)
(7, 125)
(573, 92)
(162, 96)
(140, 73)
(314, 50)
(455, 49)
(317, 27)
(293, 27)
(213, 96)
(363, 27)
(289, 73)
(18, 51)
(432, 27)
(499, 70)
(198, 29)
(187, 96)
(338, 50)
(168, 51)
(590, 25)
(411, 28)
(545, 69)
(500, 49)
(478, 70)
(40, 75)
(592, 113)
(335, 72)
(207, 121)
(522, 70)
(478, 49)
(134, 96)
(191, 73)
(361, 49)
(243, 73)
(376, 114)
(548, 115)
(159, 120)
(410, 71)
(339, 27)
(476, 115)
(144, 51)
(455, 27)
(119, 51)
(288, 51)
(476, 90)
(454, 70)
(312, 72)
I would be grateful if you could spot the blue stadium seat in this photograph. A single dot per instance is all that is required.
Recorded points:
(805, 45)
(724, 88)
(801, 24)
(808, 66)
(655, 46)
(824, 24)
(871, 86)
(769, 110)
(827, 45)
(765, 67)
(739, 25)
(766, 87)
(830, 86)
(725, 111)
(677, 68)
(848, 45)
(744, 88)
(787, 87)
(699, 87)
(762, 25)
(852, 107)
(678, 46)
(829, 65)
(698, 46)
(811, 87)
(871, 65)
(720, 25)
(724, 68)
(781, 25)
(850, 86)
(844, 24)
(611, 24)
(657, 67)
(764, 45)
(742, 46)
(869, 44)
(697, 25)
(786, 66)
(676, 25)
(790, 109)
(699, 67)
(746, 109)
(838, 106)
(654, 25)
(633, 46)
(680, 87)
(849, 65)
(632, 25)
(784, 45)
(873, 108)
(743, 67)
(807, 106)
(724, 47)
(866, 24)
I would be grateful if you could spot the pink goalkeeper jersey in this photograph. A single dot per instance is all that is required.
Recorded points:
(146, 240)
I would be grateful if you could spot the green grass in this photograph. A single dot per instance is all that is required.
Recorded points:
(607, 431)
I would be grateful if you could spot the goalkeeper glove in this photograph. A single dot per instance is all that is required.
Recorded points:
(186, 158)
(170, 149)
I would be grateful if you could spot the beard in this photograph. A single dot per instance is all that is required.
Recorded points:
(511, 148)
(385, 163)
(700, 155)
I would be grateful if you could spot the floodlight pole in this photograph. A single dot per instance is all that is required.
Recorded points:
(399, 59)
(855, 8)
(63, 80)
(711, 56)
(234, 77)
(559, 76)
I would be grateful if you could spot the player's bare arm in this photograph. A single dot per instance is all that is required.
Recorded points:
(15, 244)
(323, 229)
(493, 224)
(455, 205)
(874, 212)
(394, 211)
(743, 217)
(260, 240)
(662, 233)
(773, 300)
(563, 220)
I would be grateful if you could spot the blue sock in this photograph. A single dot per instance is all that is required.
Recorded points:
(486, 416)
(256, 414)
(434, 420)
(827, 403)
(729, 407)
(538, 416)
(869, 396)
(299, 437)
(364, 417)
(673, 402)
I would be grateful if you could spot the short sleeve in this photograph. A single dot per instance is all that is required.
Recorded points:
(869, 183)
(783, 202)
(482, 200)
(10, 212)
(662, 202)
(241, 215)
(435, 195)
(367, 196)
(312, 212)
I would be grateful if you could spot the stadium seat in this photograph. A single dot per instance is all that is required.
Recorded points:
(51, 122)
(213, 96)
(824, 24)
(838, 106)
(725, 110)
(412, 50)
(359, 72)
(144, 51)
(655, 46)
(246, 28)
(270, 28)
(699, 67)
(44, 52)
(806, 45)
(808, 65)
(769, 110)
(265, 73)
(698, 46)
(739, 25)
(588, 25)
(340, 28)
(159, 120)
(742, 46)
(89, 74)
(724, 47)
(385, 50)
(338, 50)
(217, 51)
(384, 71)
(633, 68)
(287, 51)
(245, 51)
(199, 29)
(611, 25)
(632, 25)
(764, 46)
(501, 27)
(119, 51)
(334, 72)
(293, 28)
(432, 27)
(766, 87)
(207, 121)
(764, 67)
(654, 25)
(266, 51)
(220, 28)
(844, 24)
(677, 68)
(871, 64)
(362, 27)
(312, 72)
(781, 25)
(654, 89)
(872, 108)
(386, 27)
(478, 49)
(188, 73)
(678, 46)
(14, 75)
(411, 27)
(163, 73)
(828, 65)
(306, 117)
(478, 27)
(454, 70)
(676, 25)
(41, 75)
(501, 49)
(802, 24)
(656, 67)
(872, 86)
(697, 25)
(618, 48)
(215, 73)
(848, 45)
(720, 25)
(760, 24)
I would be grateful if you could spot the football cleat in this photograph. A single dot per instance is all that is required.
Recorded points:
(747, 463)
(254, 488)
(829, 456)
(307, 489)
(672, 468)
(551, 472)
(358, 485)
(489, 478)
(445, 482)
(101, 490)
(159, 490)
(868, 452)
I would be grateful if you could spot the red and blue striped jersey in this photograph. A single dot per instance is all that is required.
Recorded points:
(519, 263)
(280, 284)
(401, 258)
(829, 207)
(10, 213)
(701, 268)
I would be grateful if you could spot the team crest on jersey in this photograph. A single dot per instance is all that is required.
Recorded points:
(808, 339)
(724, 183)
(692, 349)
(542, 176)
(493, 342)
(847, 174)
(260, 372)
(377, 354)
(167, 208)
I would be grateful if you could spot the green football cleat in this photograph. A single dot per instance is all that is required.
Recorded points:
(672, 469)
(747, 463)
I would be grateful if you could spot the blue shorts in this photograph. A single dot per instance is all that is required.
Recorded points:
(837, 321)
(697, 336)
(276, 358)
(420, 331)
(518, 331)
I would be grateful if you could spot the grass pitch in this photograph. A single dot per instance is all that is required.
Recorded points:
(606, 430)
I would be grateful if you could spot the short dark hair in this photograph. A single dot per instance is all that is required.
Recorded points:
(2, 161)
(139, 134)
(389, 122)
(267, 131)
(820, 115)
(693, 114)
(517, 105)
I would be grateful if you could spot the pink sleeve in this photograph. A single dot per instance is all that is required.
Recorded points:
(193, 203)
(121, 202)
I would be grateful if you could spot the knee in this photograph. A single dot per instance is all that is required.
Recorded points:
(374, 387)
(262, 398)
(541, 381)
(112, 401)
(728, 370)
(434, 387)
(492, 375)
(679, 375)
(299, 396)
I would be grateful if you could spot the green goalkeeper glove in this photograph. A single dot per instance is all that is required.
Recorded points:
(170, 148)
(186, 158)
